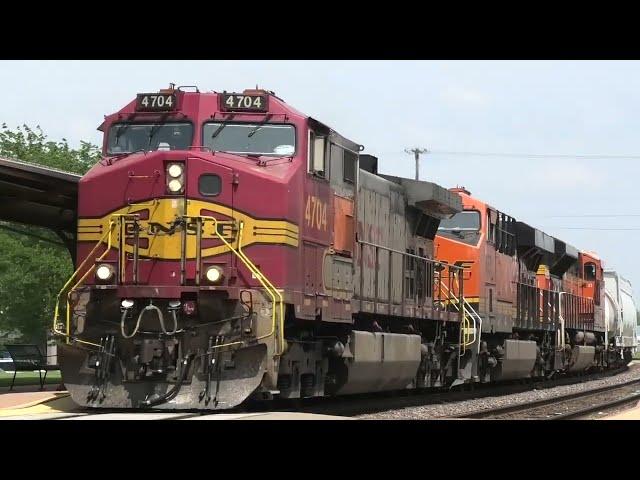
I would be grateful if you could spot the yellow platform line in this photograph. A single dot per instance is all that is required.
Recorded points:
(60, 404)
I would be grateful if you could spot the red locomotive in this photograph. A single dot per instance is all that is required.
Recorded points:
(231, 247)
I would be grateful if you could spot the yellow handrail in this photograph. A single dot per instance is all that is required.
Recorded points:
(276, 296)
(451, 299)
(277, 292)
(56, 313)
(268, 286)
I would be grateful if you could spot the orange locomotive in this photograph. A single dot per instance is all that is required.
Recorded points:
(538, 300)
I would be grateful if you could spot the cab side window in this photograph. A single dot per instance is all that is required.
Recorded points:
(491, 227)
(317, 154)
(350, 160)
(590, 271)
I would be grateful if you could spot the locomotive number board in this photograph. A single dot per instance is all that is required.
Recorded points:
(155, 102)
(235, 101)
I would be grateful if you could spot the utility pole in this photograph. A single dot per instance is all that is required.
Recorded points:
(417, 152)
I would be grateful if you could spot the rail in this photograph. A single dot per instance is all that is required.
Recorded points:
(519, 410)
(119, 222)
(56, 313)
(428, 283)
(274, 293)
(418, 291)
(468, 312)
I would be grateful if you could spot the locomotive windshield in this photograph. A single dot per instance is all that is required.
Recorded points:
(131, 137)
(250, 138)
(463, 227)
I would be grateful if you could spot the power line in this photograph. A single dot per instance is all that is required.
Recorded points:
(523, 155)
(534, 155)
(595, 228)
(603, 215)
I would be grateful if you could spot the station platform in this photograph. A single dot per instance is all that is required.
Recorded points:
(630, 414)
(59, 406)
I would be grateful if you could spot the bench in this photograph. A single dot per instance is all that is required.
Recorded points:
(29, 358)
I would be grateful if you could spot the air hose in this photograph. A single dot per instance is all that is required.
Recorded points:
(151, 306)
(171, 394)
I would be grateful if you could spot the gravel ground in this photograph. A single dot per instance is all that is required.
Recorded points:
(427, 412)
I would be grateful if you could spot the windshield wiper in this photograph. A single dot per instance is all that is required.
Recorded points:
(155, 128)
(222, 125)
(120, 131)
(260, 125)
(120, 156)
(124, 126)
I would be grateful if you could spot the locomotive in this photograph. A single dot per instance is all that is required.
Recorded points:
(540, 301)
(231, 248)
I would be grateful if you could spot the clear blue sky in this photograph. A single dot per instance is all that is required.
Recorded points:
(560, 108)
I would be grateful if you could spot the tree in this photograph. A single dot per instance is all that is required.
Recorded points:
(31, 146)
(32, 270)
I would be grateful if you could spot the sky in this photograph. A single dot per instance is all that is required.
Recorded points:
(568, 127)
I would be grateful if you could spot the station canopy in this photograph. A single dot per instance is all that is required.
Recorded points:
(40, 196)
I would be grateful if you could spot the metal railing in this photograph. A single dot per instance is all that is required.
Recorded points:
(471, 328)
(119, 223)
(536, 307)
(56, 314)
(277, 328)
(427, 276)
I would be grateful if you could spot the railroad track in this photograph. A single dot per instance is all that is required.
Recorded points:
(355, 405)
(571, 406)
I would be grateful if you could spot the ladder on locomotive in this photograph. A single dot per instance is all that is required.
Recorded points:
(471, 320)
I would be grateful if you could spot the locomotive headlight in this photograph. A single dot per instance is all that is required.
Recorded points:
(104, 272)
(214, 274)
(175, 186)
(175, 177)
(175, 170)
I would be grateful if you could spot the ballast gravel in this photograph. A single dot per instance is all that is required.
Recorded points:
(448, 410)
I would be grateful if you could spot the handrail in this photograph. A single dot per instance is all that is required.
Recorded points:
(465, 305)
(116, 219)
(281, 330)
(268, 286)
(406, 254)
(561, 318)
(56, 313)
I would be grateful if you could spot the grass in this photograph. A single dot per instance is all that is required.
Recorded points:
(29, 378)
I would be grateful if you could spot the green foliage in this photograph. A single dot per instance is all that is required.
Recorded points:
(32, 271)
(29, 378)
(32, 146)
(31, 274)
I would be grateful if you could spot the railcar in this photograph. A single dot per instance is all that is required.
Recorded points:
(620, 315)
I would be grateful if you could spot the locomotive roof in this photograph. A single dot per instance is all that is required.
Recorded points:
(532, 235)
